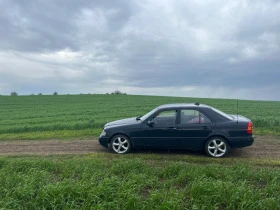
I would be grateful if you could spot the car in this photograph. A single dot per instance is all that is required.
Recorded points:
(180, 126)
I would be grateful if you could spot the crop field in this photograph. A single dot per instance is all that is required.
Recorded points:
(83, 116)
(133, 181)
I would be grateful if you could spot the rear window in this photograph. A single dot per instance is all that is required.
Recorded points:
(222, 113)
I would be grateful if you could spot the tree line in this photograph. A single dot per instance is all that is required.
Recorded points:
(116, 92)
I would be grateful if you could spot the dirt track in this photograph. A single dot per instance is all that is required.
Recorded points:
(264, 147)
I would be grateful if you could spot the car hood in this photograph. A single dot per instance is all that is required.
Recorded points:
(240, 118)
(128, 121)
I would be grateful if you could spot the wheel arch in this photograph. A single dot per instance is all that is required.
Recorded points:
(219, 136)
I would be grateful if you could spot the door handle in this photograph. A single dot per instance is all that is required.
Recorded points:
(205, 128)
(172, 128)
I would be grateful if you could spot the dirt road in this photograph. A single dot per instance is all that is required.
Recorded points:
(264, 147)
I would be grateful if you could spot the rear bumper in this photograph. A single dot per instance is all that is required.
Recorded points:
(237, 142)
(104, 141)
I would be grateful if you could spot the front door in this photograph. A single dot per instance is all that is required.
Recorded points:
(163, 130)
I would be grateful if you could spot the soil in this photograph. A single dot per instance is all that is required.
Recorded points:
(263, 147)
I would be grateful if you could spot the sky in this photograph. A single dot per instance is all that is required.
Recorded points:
(194, 48)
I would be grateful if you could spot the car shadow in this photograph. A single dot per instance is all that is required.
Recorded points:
(233, 153)
(168, 151)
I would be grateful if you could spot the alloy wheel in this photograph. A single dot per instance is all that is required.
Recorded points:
(217, 147)
(120, 144)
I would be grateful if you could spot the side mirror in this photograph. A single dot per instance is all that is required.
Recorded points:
(151, 122)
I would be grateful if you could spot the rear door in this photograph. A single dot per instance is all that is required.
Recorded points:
(193, 129)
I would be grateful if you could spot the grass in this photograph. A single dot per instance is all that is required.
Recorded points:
(138, 181)
(83, 116)
(57, 134)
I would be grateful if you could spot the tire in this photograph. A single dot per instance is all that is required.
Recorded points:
(120, 144)
(216, 147)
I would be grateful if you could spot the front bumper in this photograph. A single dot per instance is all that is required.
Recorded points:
(104, 141)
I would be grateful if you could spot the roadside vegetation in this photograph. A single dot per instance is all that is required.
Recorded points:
(83, 116)
(138, 181)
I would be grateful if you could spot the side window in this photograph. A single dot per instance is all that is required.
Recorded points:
(167, 117)
(193, 117)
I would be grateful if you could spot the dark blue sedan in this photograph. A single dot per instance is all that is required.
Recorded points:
(180, 126)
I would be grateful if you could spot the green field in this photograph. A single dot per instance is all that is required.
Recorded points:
(133, 181)
(83, 116)
(138, 181)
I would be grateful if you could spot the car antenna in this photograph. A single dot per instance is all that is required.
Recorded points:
(237, 110)
(197, 104)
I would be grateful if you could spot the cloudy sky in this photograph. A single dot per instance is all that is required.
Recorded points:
(200, 48)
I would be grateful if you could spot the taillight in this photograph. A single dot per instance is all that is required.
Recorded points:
(250, 128)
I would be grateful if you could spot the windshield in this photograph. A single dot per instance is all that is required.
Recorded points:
(222, 113)
(148, 114)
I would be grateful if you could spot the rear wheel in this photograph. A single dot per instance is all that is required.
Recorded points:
(216, 147)
(120, 144)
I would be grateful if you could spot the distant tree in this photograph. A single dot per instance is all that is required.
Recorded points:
(39, 94)
(55, 93)
(14, 93)
(118, 92)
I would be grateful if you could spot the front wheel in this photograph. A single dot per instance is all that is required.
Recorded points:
(216, 147)
(120, 144)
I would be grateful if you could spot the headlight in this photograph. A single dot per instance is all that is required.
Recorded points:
(103, 133)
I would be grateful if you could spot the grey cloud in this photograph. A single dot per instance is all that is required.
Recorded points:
(231, 45)
(51, 25)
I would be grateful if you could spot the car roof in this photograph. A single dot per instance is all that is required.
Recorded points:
(183, 105)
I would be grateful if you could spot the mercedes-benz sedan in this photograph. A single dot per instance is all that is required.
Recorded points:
(180, 126)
